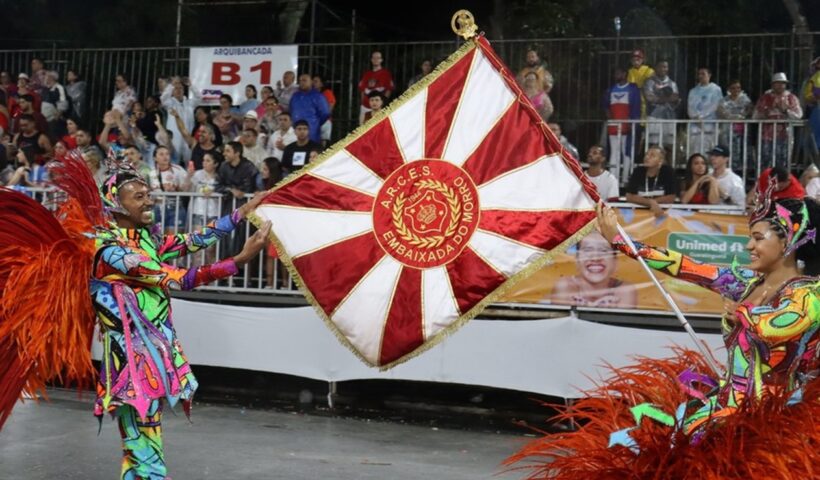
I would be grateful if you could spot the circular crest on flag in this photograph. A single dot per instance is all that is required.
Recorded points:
(425, 213)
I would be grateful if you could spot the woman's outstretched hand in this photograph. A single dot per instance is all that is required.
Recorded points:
(607, 222)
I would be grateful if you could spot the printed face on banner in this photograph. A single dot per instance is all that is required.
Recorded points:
(591, 274)
(218, 70)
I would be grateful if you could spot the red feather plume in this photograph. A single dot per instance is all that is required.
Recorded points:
(46, 315)
(765, 439)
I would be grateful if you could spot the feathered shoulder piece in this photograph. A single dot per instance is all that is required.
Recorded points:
(46, 315)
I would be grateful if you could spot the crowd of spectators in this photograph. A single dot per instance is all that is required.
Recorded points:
(651, 100)
(238, 146)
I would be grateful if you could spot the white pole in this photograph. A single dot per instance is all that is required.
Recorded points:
(669, 300)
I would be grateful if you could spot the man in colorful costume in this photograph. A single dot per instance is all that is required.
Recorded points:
(127, 263)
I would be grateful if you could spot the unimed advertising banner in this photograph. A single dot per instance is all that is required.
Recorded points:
(590, 274)
(218, 70)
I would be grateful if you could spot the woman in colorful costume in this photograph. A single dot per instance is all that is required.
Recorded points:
(112, 240)
(669, 419)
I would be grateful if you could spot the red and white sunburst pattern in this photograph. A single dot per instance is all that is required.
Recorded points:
(408, 229)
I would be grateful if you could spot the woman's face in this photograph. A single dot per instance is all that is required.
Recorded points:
(92, 162)
(734, 90)
(250, 92)
(163, 158)
(209, 164)
(60, 150)
(426, 67)
(138, 110)
(71, 126)
(224, 103)
(765, 247)
(119, 81)
(699, 166)
(201, 115)
(595, 259)
(265, 171)
(21, 158)
(71, 77)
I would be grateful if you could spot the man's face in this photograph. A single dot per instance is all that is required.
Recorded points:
(556, 129)
(135, 198)
(120, 82)
(662, 69)
(36, 65)
(230, 154)
(735, 89)
(376, 59)
(27, 126)
(249, 123)
(288, 78)
(718, 161)
(83, 139)
(302, 132)
(133, 155)
(782, 185)
(22, 83)
(704, 77)
(305, 83)
(532, 58)
(151, 103)
(137, 110)
(284, 122)
(24, 104)
(271, 106)
(179, 92)
(204, 136)
(317, 83)
(5, 79)
(653, 158)
(224, 103)
(595, 156)
(248, 139)
(619, 76)
(779, 87)
(636, 61)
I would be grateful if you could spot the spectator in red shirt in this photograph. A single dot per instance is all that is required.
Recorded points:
(377, 79)
(70, 139)
(787, 185)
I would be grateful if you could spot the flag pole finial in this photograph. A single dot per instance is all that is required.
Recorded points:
(463, 24)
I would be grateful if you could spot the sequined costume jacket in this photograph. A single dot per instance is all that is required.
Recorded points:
(771, 346)
(130, 289)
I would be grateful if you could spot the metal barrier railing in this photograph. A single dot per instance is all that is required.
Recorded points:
(175, 213)
(754, 145)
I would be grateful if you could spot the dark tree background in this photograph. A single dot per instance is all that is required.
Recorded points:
(135, 23)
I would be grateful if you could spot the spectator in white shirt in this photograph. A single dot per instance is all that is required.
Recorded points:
(730, 185)
(604, 181)
(251, 148)
(173, 98)
(281, 137)
(125, 95)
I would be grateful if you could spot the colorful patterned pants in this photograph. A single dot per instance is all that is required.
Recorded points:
(143, 457)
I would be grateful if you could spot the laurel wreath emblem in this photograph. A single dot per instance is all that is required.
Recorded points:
(436, 240)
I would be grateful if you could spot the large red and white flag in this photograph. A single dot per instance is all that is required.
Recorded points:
(408, 228)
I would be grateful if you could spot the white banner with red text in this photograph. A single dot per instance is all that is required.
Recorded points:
(218, 70)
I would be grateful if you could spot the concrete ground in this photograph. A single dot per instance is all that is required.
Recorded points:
(58, 440)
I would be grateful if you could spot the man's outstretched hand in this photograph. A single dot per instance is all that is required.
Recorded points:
(254, 244)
